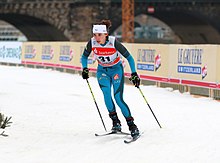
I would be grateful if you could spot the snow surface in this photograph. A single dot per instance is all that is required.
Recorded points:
(54, 121)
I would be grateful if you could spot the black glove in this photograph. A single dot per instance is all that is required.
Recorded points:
(135, 79)
(85, 73)
(6, 123)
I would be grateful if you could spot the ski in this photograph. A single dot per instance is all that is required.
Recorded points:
(2, 134)
(113, 132)
(133, 139)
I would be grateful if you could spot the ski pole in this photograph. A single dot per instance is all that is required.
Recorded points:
(149, 106)
(96, 103)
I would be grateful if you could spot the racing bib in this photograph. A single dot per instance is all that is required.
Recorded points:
(106, 55)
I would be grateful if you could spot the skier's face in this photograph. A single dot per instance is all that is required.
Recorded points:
(100, 37)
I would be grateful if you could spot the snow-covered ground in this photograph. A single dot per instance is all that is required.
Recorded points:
(54, 121)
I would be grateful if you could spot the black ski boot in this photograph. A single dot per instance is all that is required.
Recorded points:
(116, 122)
(132, 127)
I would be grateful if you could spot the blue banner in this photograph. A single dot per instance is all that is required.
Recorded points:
(189, 69)
(148, 67)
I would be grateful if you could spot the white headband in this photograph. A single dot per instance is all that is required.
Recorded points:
(99, 29)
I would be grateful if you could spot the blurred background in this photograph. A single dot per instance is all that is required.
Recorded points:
(139, 21)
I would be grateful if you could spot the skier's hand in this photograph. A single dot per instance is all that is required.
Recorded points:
(85, 73)
(6, 123)
(135, 79)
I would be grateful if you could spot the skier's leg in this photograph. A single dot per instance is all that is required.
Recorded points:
(132, 127)
(118, 84)
(105, 85)
(116, 122)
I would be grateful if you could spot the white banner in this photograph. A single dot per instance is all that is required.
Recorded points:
(10, 52)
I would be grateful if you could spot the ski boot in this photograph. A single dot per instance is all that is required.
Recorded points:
(116, 122)
(132, 127)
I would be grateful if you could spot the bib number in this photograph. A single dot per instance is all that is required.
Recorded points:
(104, 59)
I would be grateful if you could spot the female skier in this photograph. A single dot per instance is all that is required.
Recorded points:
(108, 52)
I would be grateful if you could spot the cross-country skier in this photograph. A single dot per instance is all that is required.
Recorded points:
(108, 52)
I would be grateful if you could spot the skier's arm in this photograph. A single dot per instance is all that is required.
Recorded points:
(134, 76)
(126, 54)
(86, 54)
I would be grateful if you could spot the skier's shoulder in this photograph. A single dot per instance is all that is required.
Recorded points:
(111, 38)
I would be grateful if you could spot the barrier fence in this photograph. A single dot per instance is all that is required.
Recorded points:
(193, 68)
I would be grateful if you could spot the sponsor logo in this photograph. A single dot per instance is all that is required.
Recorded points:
(95, 50)
(204, 71)
(148, 60)
(47, 52)
(66, 53)
(148, 67)
(189, 69)
(190, 61)
(116, 77)
(157, 62)
(10, 52)
(103, 77)
(104, 51)
(30, 52)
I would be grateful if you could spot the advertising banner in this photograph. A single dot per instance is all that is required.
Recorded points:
(56, 54)
(31, 52)
(197, 65)
(66, 55)
(218, 66)
(150, 59)
(193, 62)
(10, 52)
(50, 53)
(44, 53)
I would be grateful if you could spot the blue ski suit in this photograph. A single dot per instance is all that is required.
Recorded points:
(110, 71)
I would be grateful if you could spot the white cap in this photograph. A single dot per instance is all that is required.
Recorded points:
(99, 29)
